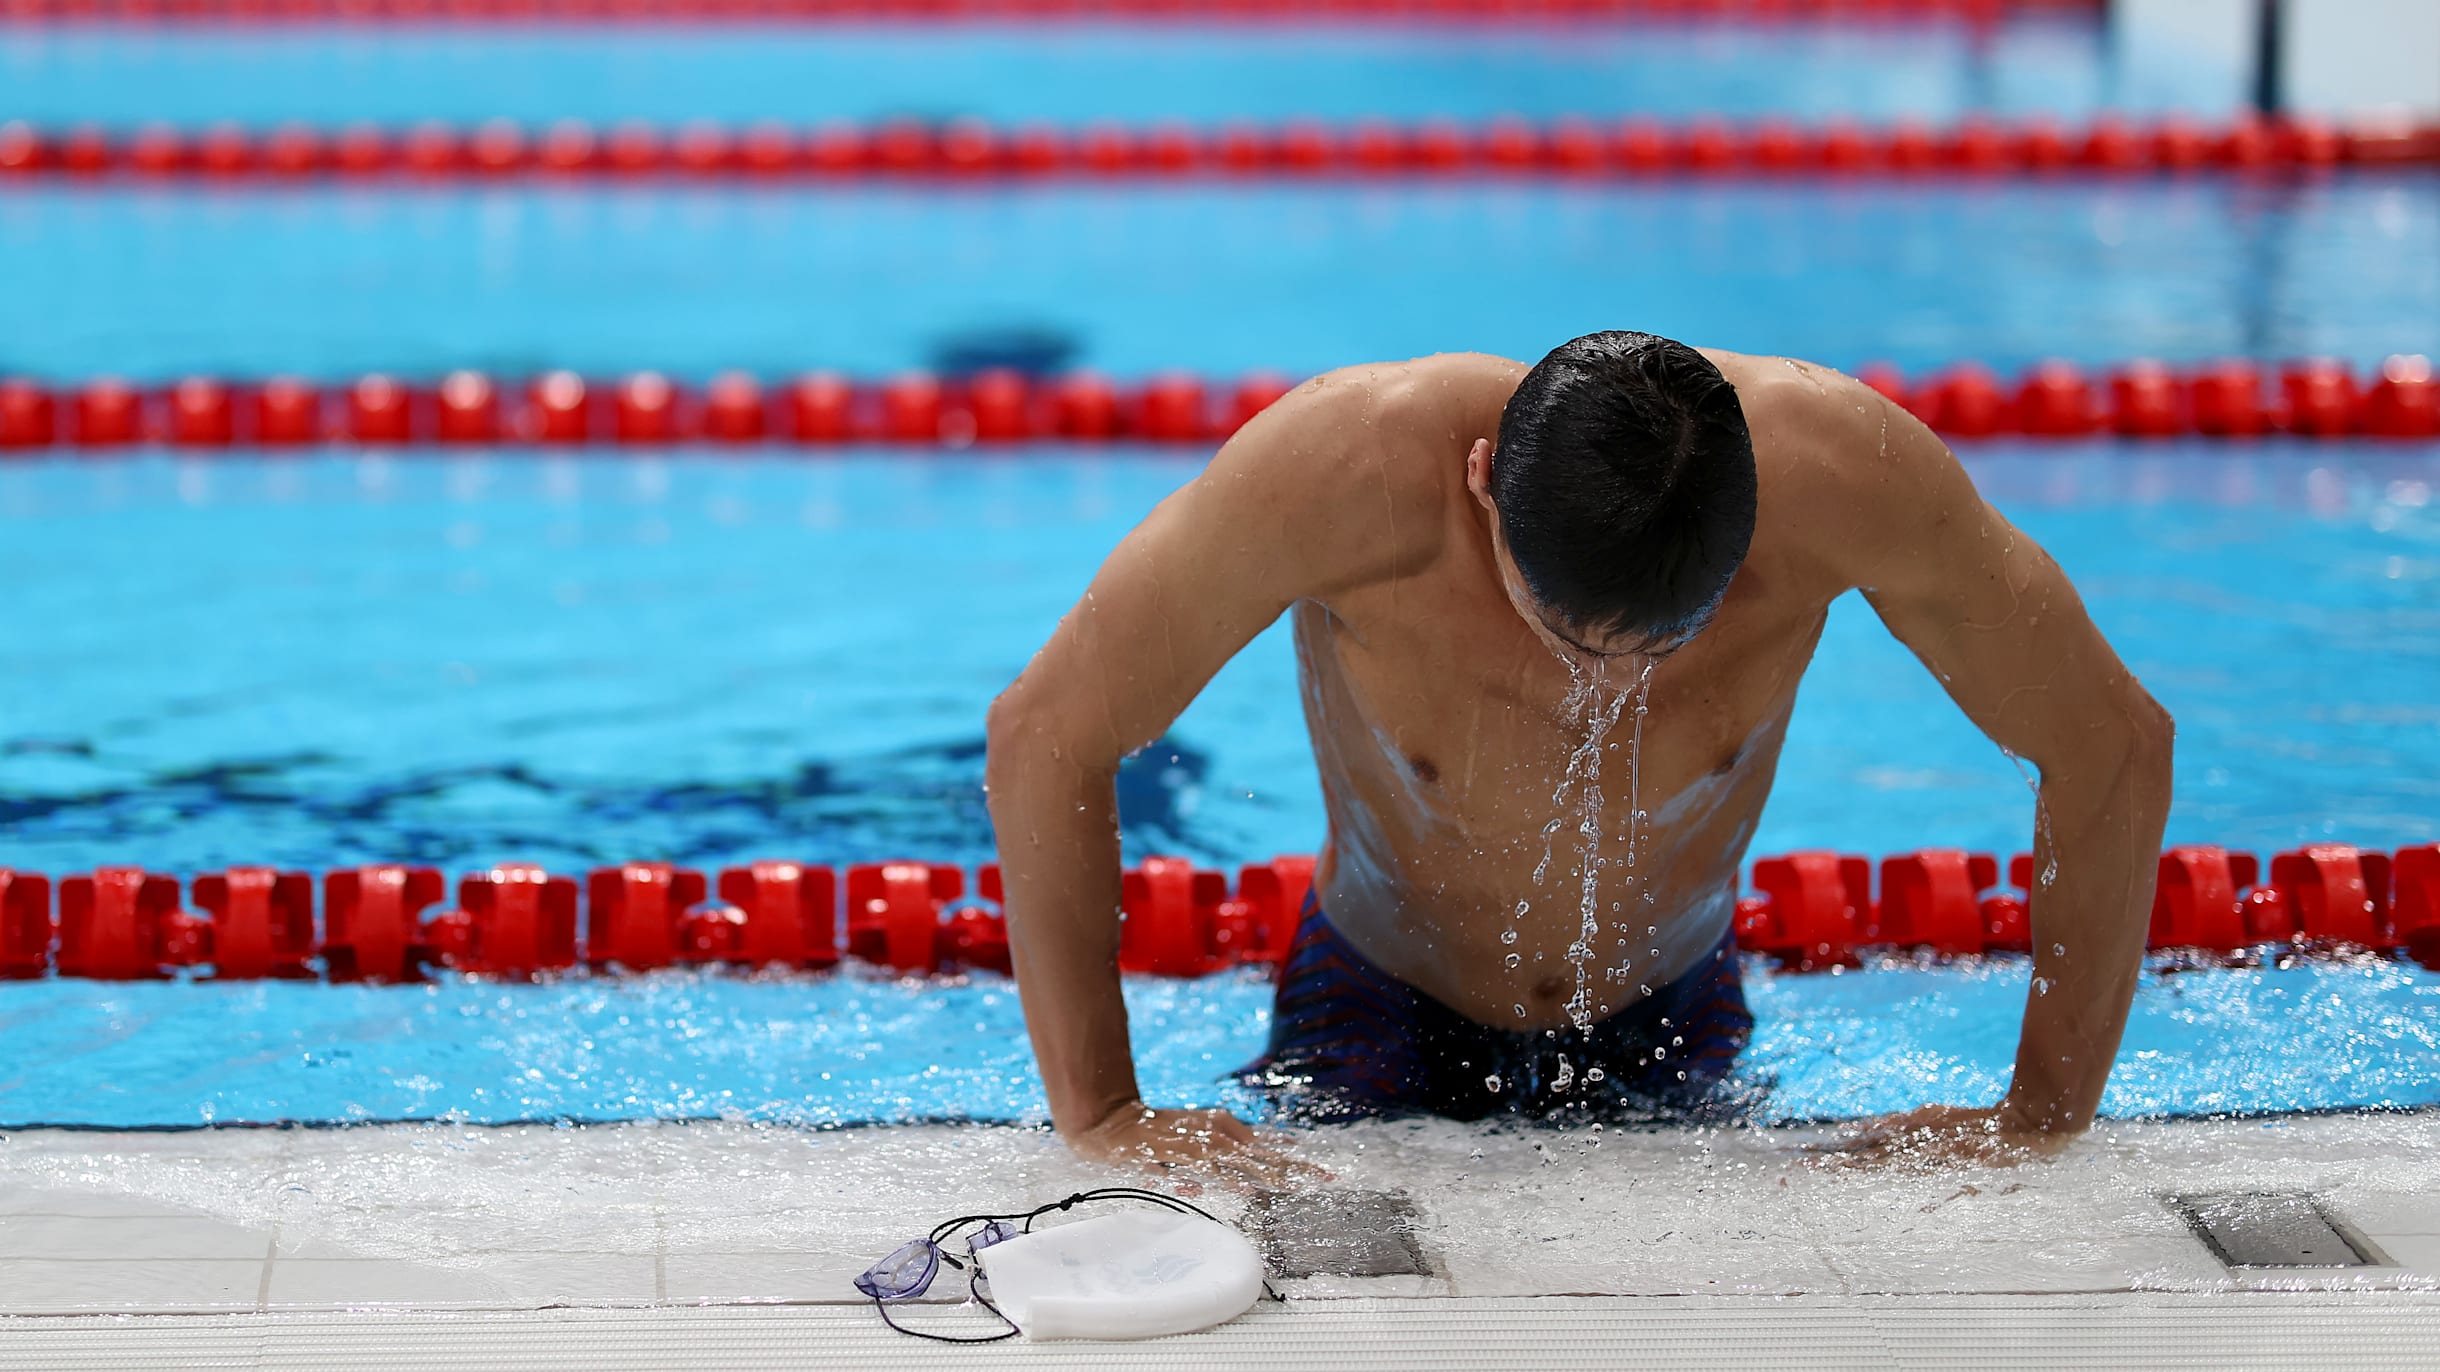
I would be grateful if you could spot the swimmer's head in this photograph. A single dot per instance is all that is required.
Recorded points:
(1622, 493)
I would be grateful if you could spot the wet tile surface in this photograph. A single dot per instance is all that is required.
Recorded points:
(174, 1237)
(35, 1286)
(519, 1218)
(318, 1284)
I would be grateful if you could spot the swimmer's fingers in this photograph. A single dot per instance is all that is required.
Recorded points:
(1937, 1138)
(1268, 1146)
(1255, 1169)
(1242, 1161)
(1189, 1147)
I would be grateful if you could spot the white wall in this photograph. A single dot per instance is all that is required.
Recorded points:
(2341, 58)
(2352, 57)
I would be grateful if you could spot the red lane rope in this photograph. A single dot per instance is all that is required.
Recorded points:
(2231, 400)
(768, 11)
(1808, 911)
(970, 149)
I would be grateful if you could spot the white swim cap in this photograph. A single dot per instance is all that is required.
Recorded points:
(1135, 1274)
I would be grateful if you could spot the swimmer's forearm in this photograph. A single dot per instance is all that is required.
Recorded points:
(2100, 848)
(1057, 829)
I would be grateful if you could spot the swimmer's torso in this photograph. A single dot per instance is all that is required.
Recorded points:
(1441, 727)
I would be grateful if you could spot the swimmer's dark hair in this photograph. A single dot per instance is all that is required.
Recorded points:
(1624, 484)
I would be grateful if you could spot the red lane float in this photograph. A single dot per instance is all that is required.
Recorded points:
(1172, 923)
(636, 914)
(2415, 909)
(894, 912)
(26, 932)
(1933, 900)
(514, 920)
(2231, 400)
(119, 924)
(261, 922)
(964, 149)
(1274, 895)
(372, 921)
(787, 915)
(1809, 911)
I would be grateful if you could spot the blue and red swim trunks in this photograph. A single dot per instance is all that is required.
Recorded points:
(1349, 1040)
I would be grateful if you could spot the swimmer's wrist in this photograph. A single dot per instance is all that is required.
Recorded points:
(1100, 1121)
(2021, 1115)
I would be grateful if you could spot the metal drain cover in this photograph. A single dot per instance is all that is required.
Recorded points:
(2269, 1229)
(1338, 1233)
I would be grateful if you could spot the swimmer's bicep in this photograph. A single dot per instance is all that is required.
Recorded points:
(1280, 514)
(1177, 598)
(1981, 604)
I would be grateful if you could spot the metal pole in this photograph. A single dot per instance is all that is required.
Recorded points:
(2269, 93)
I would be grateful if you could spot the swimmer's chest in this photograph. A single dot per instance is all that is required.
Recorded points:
(1444, 677)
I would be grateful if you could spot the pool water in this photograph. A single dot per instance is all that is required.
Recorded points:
(706, 657)
(155, 283)
(853, 1047)
(2064, 67)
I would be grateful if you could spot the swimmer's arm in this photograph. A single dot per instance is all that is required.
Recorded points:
(1989, 613)
(1270, 522)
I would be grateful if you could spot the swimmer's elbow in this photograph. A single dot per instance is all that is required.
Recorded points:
(2150, 741)
(1010, 729)
(1023, 737)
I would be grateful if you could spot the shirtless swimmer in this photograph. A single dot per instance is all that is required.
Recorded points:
(1484, 562)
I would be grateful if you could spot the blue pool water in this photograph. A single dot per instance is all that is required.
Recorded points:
(848, 1048)
(706, 657)
(155, 283)
(1074, 73)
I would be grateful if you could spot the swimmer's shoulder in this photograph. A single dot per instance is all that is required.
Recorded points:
(1836, 464)
(1365, 462)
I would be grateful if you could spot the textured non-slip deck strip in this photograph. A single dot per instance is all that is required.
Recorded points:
(2232, 400)
(692, 11)
(2231, 1331)
(965, 149)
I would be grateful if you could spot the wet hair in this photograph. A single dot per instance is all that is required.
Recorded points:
(1624, 486)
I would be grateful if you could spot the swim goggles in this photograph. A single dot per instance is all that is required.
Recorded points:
(911, 1268)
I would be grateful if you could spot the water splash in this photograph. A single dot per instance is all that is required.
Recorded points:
(2049, 875)
(1585, 704)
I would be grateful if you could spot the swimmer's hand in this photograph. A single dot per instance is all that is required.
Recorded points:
(1942, 1136)
(1207, 1145)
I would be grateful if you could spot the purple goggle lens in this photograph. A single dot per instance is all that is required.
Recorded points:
(998, 1231)
(905, 1274)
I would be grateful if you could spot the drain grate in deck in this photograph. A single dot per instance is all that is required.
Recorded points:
(1338, 1233)
(2270, 1229)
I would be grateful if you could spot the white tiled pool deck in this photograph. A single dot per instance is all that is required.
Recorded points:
(644, 1232)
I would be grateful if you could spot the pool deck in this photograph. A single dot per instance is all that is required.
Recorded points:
(284, 1246)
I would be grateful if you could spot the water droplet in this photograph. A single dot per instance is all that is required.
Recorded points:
(1519, 1009)
(1491, 1083)
(2058, 950)
(2041, 986)
(1593, 1074)
(1514, 959)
